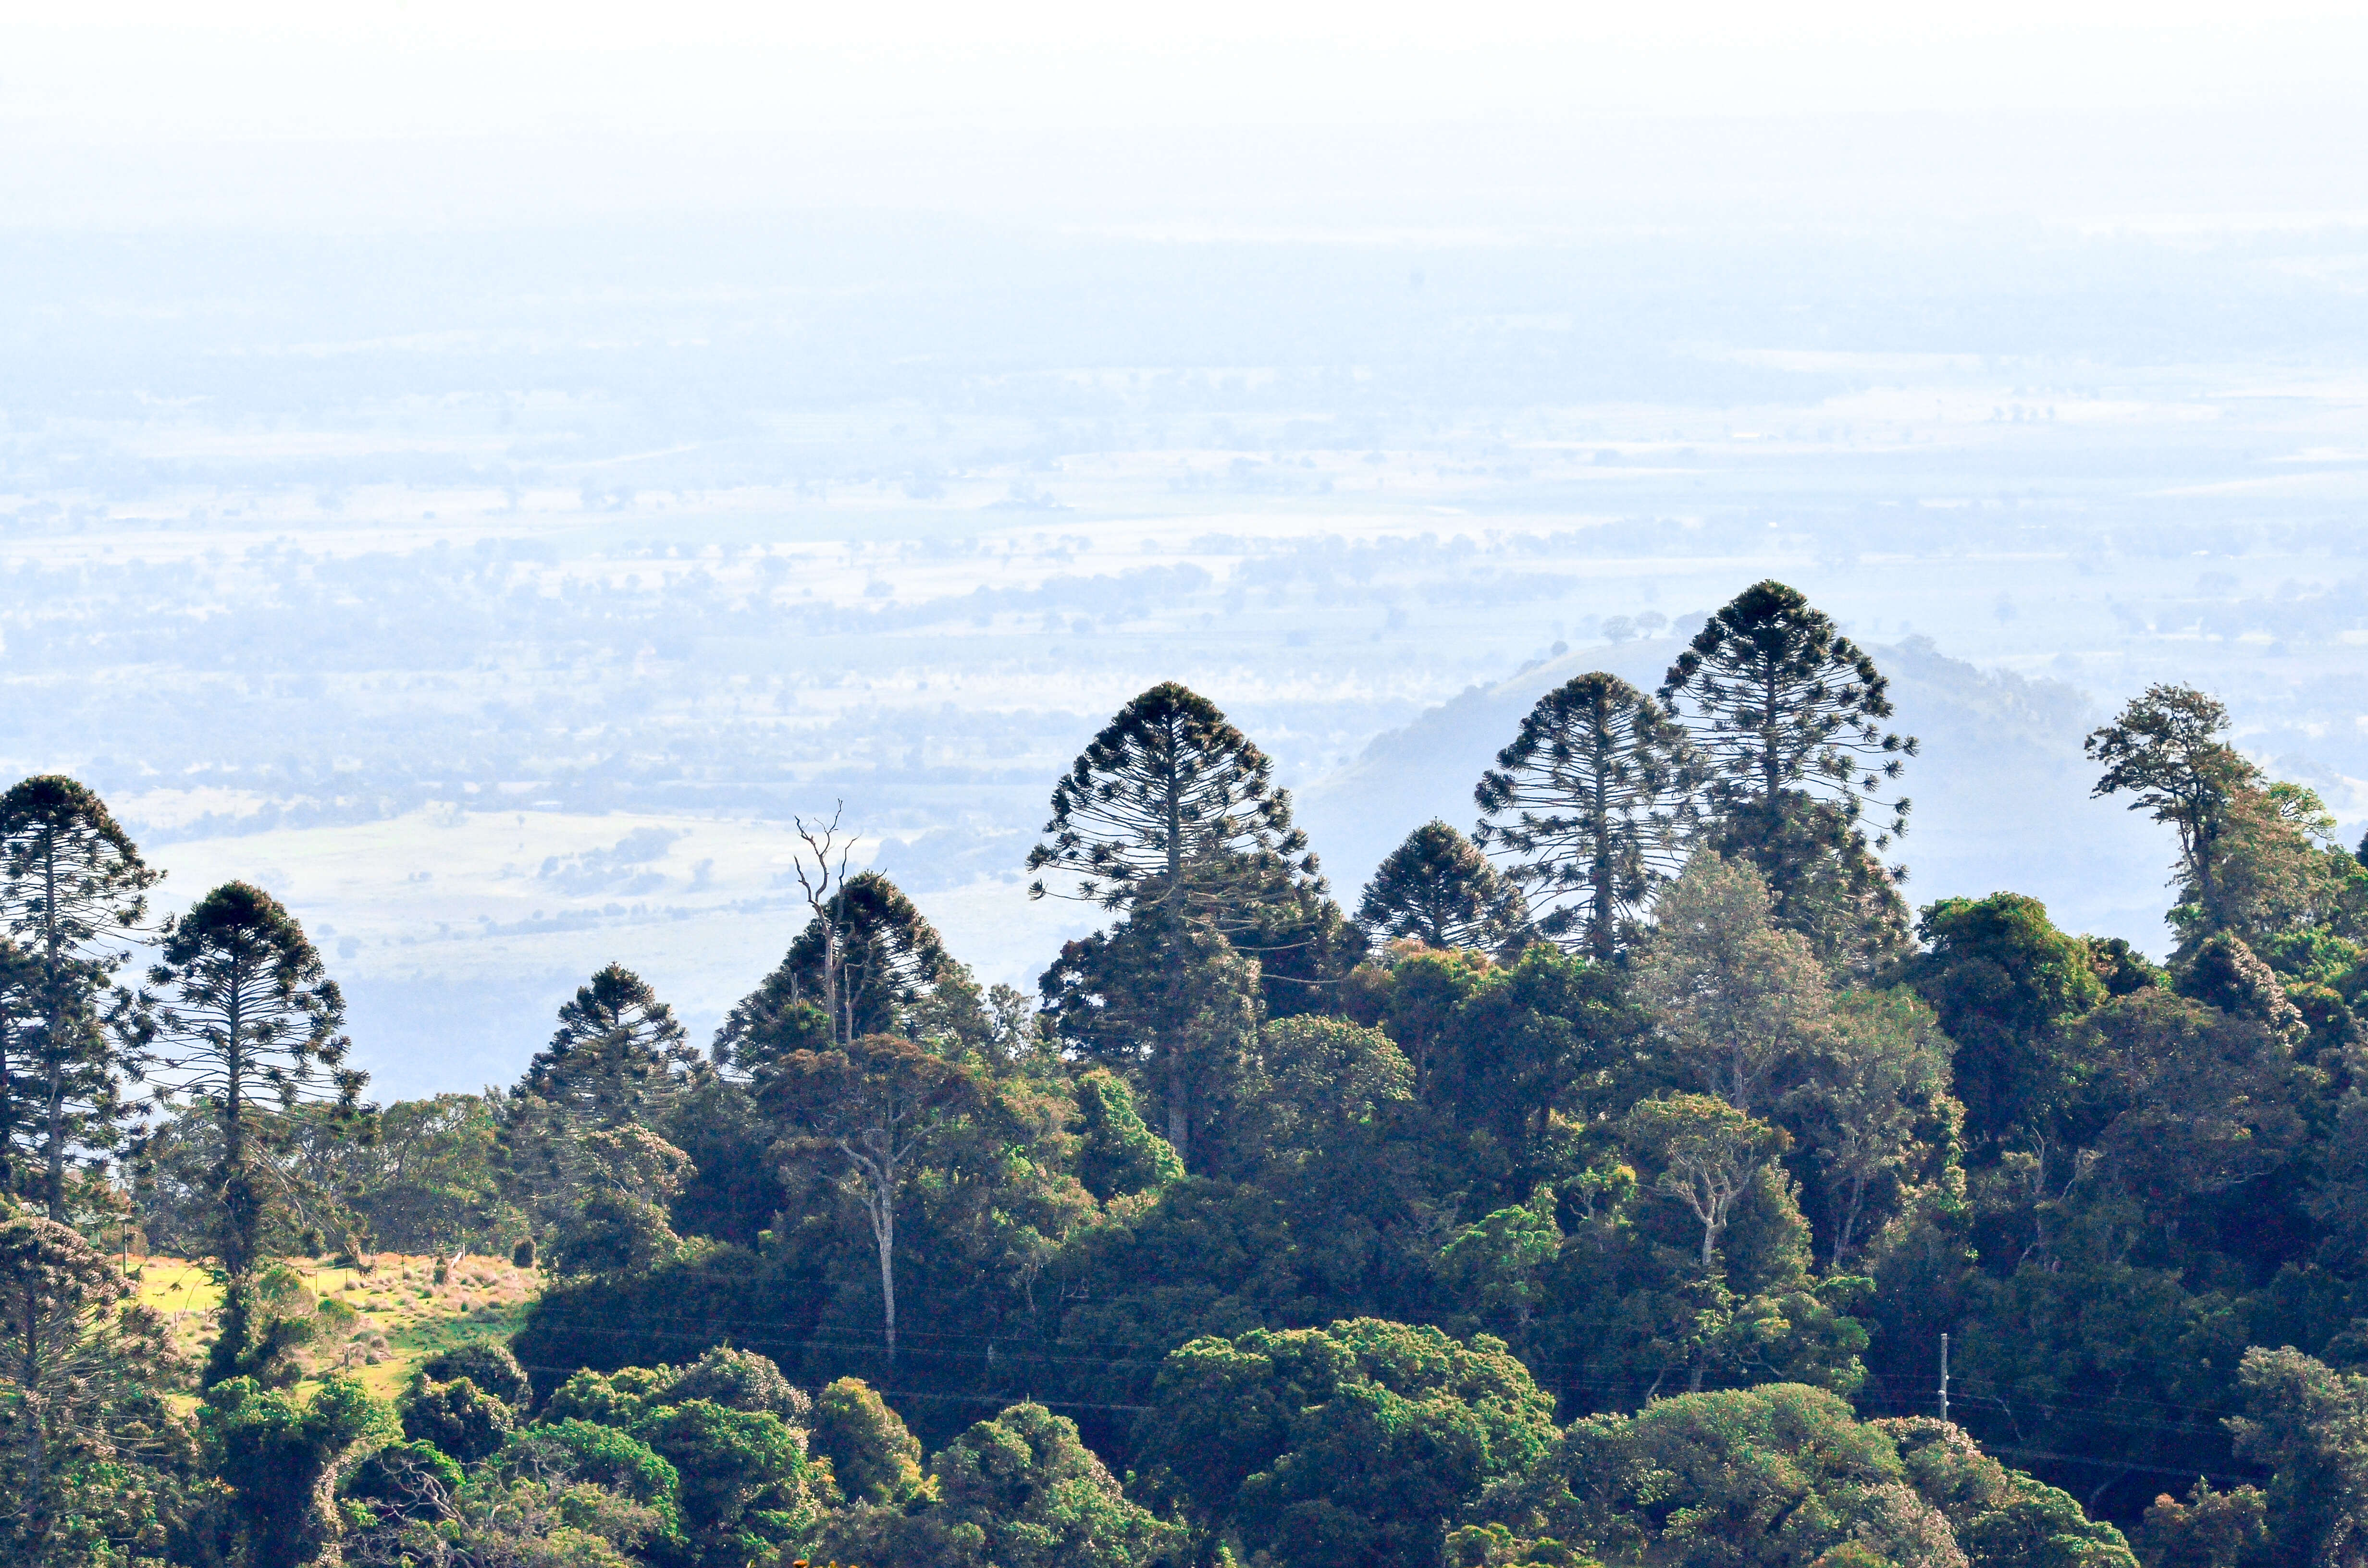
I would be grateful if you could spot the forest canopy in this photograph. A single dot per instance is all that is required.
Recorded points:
(1604, 1188)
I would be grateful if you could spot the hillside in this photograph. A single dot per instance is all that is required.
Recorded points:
(381, 1323)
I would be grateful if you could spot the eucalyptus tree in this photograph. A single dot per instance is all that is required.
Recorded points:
(1592, 805)
(1739, 1004)
(73, 896)
(1169, 804)
(2167, 751)
(1788, 716)
(865, 1112)
(241, 1021)
(1437, 887)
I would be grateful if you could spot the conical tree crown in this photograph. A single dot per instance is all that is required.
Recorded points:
(1591, 806)
(1168, 802)
(1437, 887)
(619, 1053)
(1780, 700)
(890, 957)
(246, 997)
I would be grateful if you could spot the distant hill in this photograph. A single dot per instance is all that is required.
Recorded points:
(2000, 787)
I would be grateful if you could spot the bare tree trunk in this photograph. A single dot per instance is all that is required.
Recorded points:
(884, 1231)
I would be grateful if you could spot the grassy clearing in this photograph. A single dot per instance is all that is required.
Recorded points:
(377, 1324)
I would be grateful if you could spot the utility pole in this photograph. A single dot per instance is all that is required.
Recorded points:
(1944, 1379)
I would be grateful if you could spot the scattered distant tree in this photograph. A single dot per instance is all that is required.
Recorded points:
(1439, 888)
(865, 1111)
(1739, 1003)
(1593, 804)
(1169, 804)
(73, 894)
(242, 1021)
(1788, 714)
(2165, 750)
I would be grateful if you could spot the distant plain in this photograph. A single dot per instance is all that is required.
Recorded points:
(498, 598)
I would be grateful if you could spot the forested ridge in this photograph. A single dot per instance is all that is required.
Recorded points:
(1602, 1182)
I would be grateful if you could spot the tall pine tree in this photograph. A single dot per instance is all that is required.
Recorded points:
(242, 1022)
(888, 959)
(1437, 887)
(1788, 716)
(619, 1061)
(1169, 804)
(73, 894)
(1592, 806)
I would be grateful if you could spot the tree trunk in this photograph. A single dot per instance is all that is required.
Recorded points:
(1180, 1116)
(53, 1178)
(1175, 804)
(884, 1231)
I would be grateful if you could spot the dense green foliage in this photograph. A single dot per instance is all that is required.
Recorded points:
(1620, 1222)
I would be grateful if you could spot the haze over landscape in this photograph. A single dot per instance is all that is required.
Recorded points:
(1261, 785)
(485, 515)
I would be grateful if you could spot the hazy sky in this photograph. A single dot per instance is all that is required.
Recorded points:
(434, 111)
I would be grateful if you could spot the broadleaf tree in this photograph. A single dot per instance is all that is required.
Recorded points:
(865, 1112)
